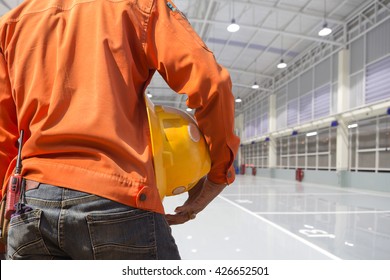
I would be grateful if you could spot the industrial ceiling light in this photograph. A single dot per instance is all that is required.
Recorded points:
(281, 64)
(325, 31)
(189, 110)
(238, 99)
(255, 85)
(149, 94)
(233, 26)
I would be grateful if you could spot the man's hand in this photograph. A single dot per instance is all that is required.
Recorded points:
(198, 198)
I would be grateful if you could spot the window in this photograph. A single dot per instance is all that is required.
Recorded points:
(323, 149)
(384, 144)
(369, 144)
(314, 152)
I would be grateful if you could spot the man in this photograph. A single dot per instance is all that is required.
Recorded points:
(72, 76)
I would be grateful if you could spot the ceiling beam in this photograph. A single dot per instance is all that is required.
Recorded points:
(342, 3)
(5, 4)
(271, 30)
(249, 43)
(287, 10)
(250, 87)
(208, 13)
(240, 71)
(270, 44)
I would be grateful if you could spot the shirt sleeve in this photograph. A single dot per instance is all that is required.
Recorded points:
(8, 124)
(181, 57)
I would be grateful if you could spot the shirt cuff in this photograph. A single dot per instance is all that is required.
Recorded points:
(227, 177)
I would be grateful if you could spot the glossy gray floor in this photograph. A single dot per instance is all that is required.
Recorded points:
(267, 219)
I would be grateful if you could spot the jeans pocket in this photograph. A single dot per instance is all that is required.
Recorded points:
(24, 236)
(123, 235)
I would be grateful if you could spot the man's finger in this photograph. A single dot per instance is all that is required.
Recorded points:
(180, 209)
(176, 219)
(179, 218)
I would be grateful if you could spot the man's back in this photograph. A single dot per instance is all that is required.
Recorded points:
(79, 71)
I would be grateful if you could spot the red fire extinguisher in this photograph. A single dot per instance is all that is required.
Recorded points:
(254, 170)
(242, 169)
(299, 174)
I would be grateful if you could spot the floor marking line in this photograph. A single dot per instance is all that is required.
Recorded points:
(304, 241)
(289, 194)
(322, 212)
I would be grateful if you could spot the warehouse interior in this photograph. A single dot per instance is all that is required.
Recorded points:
(327, 111)
(313, 115)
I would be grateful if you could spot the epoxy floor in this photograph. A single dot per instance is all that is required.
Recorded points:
(259, 218)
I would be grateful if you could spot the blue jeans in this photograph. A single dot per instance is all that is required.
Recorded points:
(67, 224)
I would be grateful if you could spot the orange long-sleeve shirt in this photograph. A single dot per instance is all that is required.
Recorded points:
(73, 75)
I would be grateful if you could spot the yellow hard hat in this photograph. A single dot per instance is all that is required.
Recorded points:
(180, 153)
